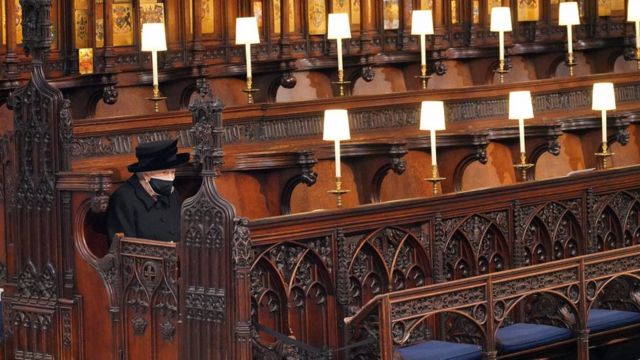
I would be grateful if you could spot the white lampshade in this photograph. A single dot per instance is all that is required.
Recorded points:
(633, 10)
(339, 27)
(520, 106)
(336, 125)
(569, 14)
(500, 18)
(421, 22)
(247, 31)
(603, 97)
(432, 115)
(153, 37)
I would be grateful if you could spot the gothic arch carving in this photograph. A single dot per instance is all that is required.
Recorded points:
(388, 259)
(475, 245)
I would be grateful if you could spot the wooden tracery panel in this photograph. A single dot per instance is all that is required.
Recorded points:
(553, 231)
(388, 259)
(616, 221)
(292, 293)
(476, 244)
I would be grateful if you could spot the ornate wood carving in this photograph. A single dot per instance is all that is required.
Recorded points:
(210, 235)
(476, 244)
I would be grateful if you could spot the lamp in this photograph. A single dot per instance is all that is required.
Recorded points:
(569, 16)
(432, 119)
(422, 24)
(247, 34)
(339, 29)
(336, 128)
(520, 108)
(501, 22)
(633, 14)
(154, 40)
(603, 99)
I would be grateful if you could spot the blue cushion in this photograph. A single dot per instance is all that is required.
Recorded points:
(601, 319)
(441, 350)
(523, 336)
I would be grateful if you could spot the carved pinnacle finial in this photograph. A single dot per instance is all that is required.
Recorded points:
(36, 28)
(207, 130)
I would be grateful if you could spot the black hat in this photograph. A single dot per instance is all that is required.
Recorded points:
(158, 155)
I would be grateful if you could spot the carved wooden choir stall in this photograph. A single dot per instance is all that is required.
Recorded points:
(494, 248)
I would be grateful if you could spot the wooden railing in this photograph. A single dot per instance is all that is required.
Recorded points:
(571, 287)
(350, 256)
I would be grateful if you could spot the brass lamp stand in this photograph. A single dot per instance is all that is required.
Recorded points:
(249, 90)
(338, 192)
(156, 98)
(604, 155)
(501, 70)
(341, 82)
(435, 180)
(423, 76)
(523, 166)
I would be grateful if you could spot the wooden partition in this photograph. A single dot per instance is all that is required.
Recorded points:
(570, 288)
(339, 260)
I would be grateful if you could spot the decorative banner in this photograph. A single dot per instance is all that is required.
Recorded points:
(257, 12)
(3, 9)
(391, 14)
(493, 3)
(151, 13)
(206, 20)
(18, 22)
(617, 5)
(82, 4)
(341, 6)
(277, 17)
(292, 15)
(454, 11)
(475, 12)
(85, 60)
(317, 17)
(604, 8)
(355, 12)
(528, 10)
(426, 4)
(122, 24)
(82, 28)
(99, 33)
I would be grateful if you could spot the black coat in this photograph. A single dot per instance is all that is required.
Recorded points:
(135, 213)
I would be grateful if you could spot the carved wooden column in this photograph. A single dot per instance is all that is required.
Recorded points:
(214, 252)
(40, 307)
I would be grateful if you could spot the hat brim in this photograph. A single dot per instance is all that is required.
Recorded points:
(180, 159)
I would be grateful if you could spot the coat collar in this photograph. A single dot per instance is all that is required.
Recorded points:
(141, 193)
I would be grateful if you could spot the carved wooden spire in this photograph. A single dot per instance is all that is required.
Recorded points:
(215, 251)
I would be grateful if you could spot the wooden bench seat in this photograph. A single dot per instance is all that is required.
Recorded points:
(523, 336)
(441, 350)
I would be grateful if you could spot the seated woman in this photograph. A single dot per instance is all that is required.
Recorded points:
(146, 205)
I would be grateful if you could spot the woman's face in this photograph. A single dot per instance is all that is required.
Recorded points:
(166, 174)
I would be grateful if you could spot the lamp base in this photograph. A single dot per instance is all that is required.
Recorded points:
(156, 98)
(570, 63)
(341, 84)
(338, 192)
(424, 80)
(523, 166)
(435, 180)
(604, 155)
(249, 92)
(501, 70)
